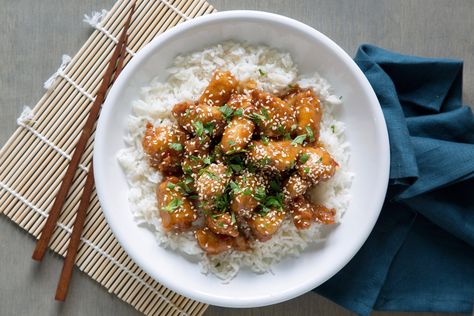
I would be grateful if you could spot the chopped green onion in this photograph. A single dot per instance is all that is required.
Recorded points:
(176, 146)
(299, 139)
(198, 128)
(226, 112)
(173, 205)
(304, 157)
(310, 134)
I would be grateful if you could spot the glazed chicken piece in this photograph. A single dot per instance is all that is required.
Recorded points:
(240, 243)
(243, 200)
(212, 181)
(196, 154)
(164, 146)
(275, 116)
(218, 92)
(246, 86)
(176, 212)
(304, 213)
(211, 242)
(318, 166)
(199, 120)
(223, 223)
(308, 115)
(294, 186)
(273, 156)
(241, 102)
(265, 225)
(237, 135)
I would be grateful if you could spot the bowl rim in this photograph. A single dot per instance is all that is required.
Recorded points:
(99, 153)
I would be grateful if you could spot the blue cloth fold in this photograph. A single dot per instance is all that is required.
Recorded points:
(420, 255)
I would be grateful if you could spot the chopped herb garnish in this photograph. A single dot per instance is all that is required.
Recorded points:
(198, 128)
(173, 205)
(310, 134)
(274, 201)
(262, 73)
(184, 185)
(238, 112)
(194, 157)
(231, 142)
(247, 191)
(234, 186)
(294, 127)
(340, 97)
(236, 168)
(287, 136)
(209, 127)
(193, 197)
(176, 146)
(226, 112)
(265, 113)
(260, 194)
(306, 169)
(171, 185)
(257, 118)
(210, 174)
(206, 160)
(333, 128)
(275, 185)
(281, 129)
(265, 140)
(299, 139)
(304, 157)
(265, 161)
(233, 218)
(187, 112)
(221, 202)
(187, 170)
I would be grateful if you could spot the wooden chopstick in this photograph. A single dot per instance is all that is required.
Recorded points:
(66, 272)
(48, 229)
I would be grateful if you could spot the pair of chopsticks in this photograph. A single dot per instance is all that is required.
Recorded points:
(112, 72)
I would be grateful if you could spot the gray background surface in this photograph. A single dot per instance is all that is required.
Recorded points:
(34, 35)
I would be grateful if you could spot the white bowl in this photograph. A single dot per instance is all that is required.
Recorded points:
(366, 131)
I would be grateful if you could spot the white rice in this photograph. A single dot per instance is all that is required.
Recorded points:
(187, 79)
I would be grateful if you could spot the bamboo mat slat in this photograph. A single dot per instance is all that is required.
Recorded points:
(35, 158)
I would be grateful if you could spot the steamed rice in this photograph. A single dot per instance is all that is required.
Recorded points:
(273, 71)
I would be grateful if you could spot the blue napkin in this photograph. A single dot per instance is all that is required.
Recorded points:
(420, 255)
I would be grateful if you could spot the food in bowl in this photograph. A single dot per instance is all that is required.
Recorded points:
(236, 159)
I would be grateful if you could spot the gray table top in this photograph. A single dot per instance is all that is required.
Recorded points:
(36, 33)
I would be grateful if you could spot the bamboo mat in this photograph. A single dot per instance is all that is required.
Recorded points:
(34, 160)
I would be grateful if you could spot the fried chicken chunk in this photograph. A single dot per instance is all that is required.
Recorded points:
(176, 212)
(223, 223)
(273, 156)
(237, 135)
(304, 213)
(212, 181)
(244, 190)
(265, 225)
(276, 117)
(318, 166)
(164, 146)
(199, 120)
(218, 92)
